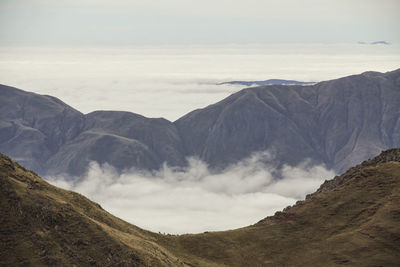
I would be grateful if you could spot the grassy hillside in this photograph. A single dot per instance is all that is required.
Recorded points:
(356, 221)
(45, 225)
(352, 220)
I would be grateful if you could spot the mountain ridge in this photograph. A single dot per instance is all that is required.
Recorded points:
(337, 123)
(307, 111)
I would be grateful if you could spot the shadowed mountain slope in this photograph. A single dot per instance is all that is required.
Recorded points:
(338, 123)
(352, 220)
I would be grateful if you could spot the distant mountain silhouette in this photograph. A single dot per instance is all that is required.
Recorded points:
(375, 43)
(338, 123)
(268, 82)
(380, 42)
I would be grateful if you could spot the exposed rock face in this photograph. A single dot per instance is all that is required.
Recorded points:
(338, 123)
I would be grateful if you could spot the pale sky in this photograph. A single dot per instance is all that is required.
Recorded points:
(123, 22)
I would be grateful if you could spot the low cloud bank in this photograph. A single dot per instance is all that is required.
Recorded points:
(171, 80)
(196, 199)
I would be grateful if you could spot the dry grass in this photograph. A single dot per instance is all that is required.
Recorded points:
(357, 224)
(353, 220)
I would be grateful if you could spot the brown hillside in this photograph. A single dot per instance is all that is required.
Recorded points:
(353, 220)
(42, 225)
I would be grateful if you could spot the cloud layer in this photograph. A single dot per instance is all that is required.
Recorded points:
(169, 81)
(196, 199)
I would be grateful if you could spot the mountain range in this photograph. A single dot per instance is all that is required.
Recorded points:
(353, 220)
(268, 82)
(337, 123)
(375, 43)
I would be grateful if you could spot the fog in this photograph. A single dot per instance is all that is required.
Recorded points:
(169, 81)
(196, 199)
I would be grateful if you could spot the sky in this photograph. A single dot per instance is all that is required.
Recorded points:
(126, 22)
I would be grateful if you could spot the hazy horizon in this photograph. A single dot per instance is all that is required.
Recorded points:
(171, 80)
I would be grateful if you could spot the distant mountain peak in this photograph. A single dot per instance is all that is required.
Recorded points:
(374, 43)
(267, 82)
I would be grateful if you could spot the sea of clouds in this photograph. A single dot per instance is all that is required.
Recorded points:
(196, 199)
(171, 80)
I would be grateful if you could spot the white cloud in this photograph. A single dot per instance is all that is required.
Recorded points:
(196, 199)
(169, 81)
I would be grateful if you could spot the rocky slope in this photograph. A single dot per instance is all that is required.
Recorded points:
(352, 220)
(338, 123)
